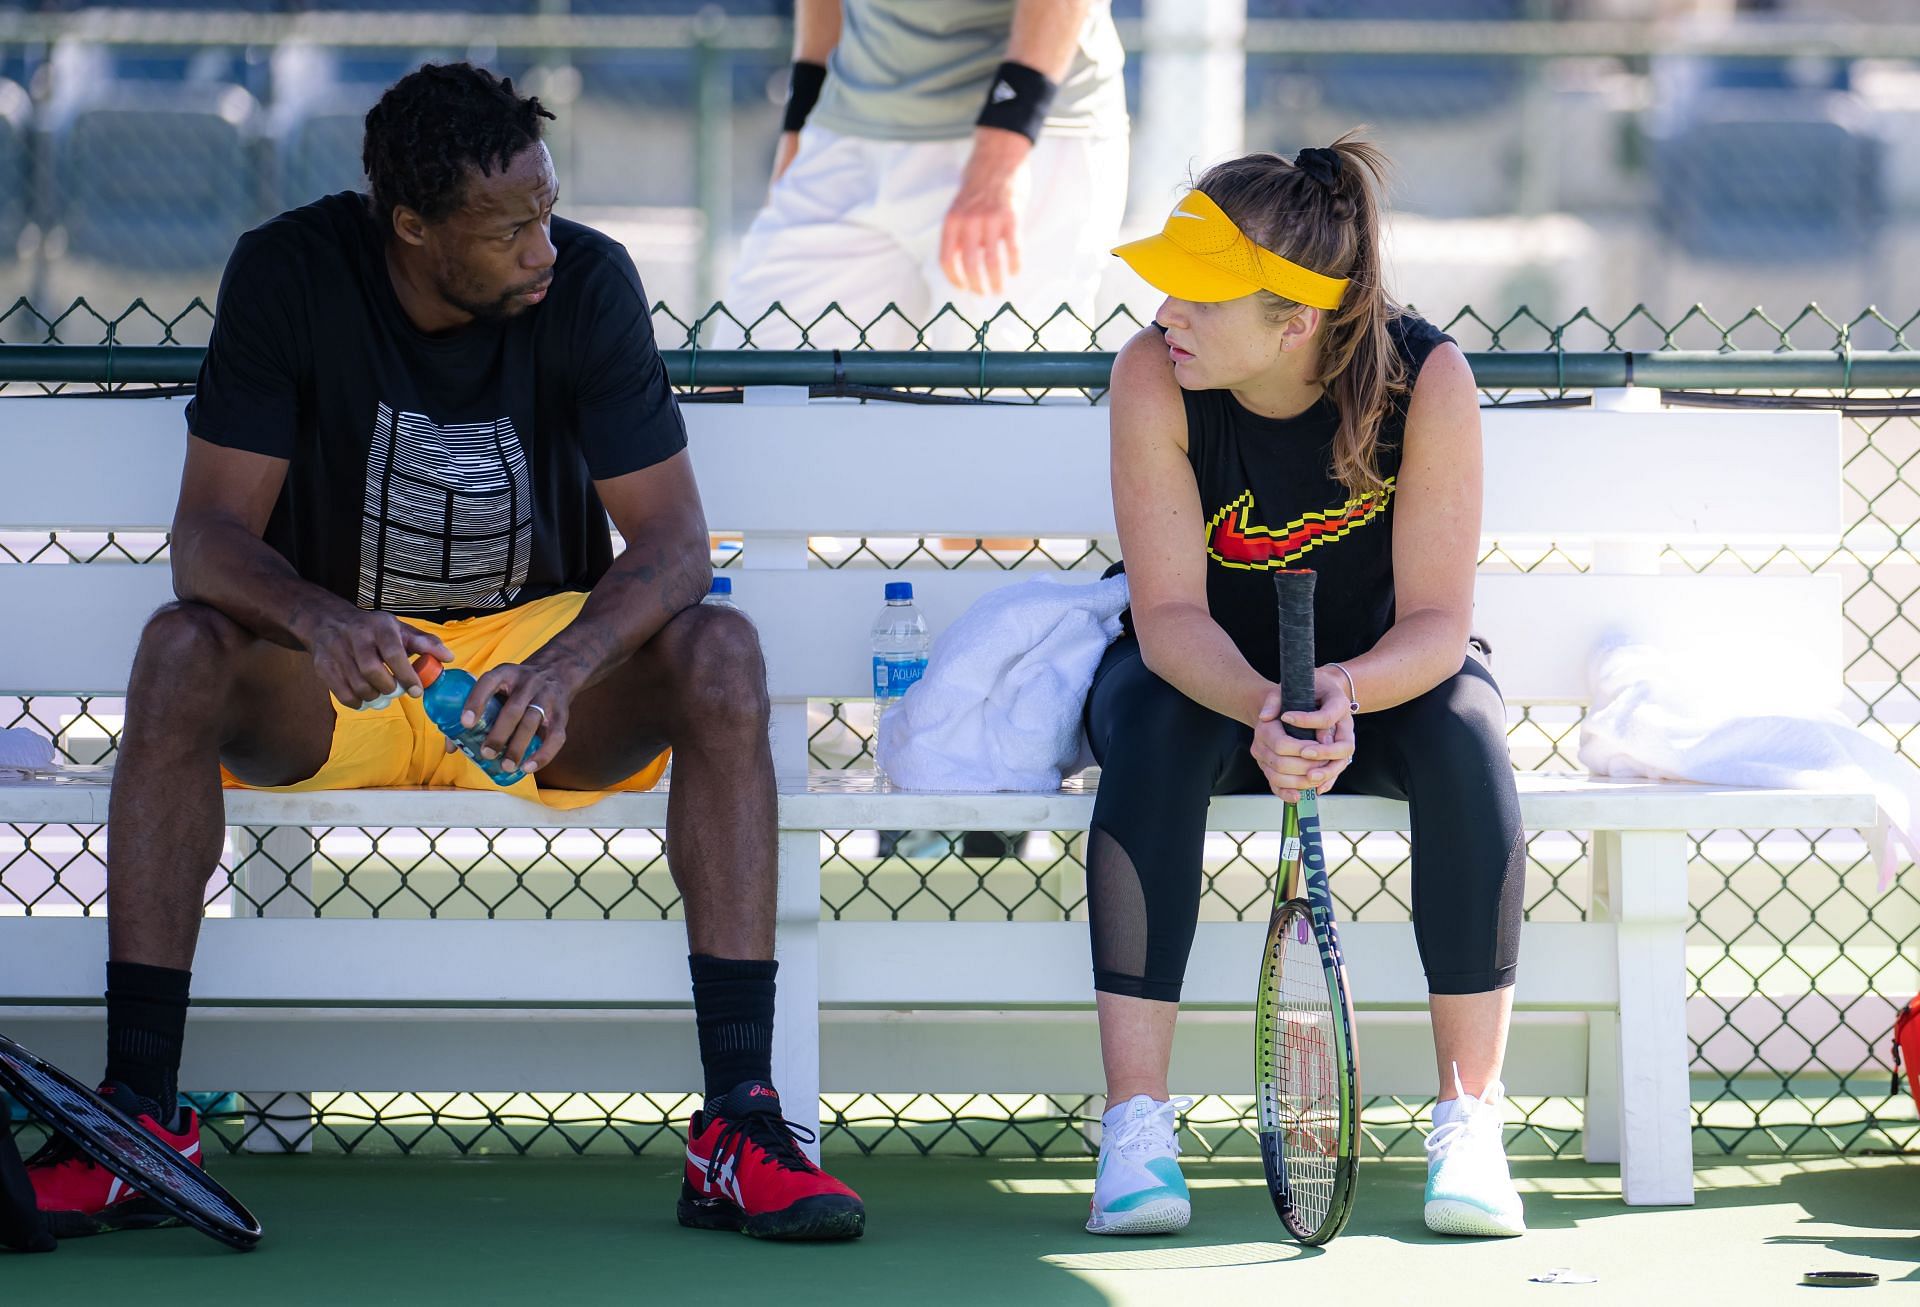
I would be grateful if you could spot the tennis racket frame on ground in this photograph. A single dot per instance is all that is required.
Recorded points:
(123, 1146)
(1311, 1175)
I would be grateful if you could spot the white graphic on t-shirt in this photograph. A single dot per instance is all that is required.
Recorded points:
(447, 520)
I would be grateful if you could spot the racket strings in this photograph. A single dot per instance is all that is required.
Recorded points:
(1304, 1093)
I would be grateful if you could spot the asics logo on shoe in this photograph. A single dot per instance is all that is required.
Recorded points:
(761, 1091)
(727, 1183)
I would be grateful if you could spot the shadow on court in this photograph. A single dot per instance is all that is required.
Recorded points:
(963, 1230)
(1837, 1198)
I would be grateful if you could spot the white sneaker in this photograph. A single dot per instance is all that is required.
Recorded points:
(1468, 1188)
(1139, 1189)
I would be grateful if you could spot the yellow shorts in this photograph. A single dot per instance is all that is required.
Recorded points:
(397, 747)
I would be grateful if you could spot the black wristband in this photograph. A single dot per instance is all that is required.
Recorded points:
(803, 92)
(1018, 100)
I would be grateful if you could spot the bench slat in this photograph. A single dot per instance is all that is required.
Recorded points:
(431, 1051)
(1548, 801)
(831, 468)
(1011, 1052)
(286, 962)
(814, 624)
(618, 1052)
(276, 962)
(1564, 966)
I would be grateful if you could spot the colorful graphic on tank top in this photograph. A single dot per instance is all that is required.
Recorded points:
(1234, 540)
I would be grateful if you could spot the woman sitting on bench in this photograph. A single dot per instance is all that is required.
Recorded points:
(1283, 411)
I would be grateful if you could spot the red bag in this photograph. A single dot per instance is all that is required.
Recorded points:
(1906, 1044)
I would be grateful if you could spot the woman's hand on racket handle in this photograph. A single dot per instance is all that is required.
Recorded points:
(1291, 765)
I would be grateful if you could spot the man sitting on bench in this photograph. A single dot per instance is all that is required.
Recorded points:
(423, 405)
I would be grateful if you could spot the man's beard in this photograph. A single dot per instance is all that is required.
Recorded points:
(499, 309)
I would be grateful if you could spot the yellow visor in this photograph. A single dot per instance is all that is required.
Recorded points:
(1201, 256)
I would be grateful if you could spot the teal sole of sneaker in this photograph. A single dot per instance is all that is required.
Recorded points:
(1448, 1216)
(823, 1218)
(1167, 1216)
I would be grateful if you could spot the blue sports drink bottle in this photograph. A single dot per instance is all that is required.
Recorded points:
(447, 689)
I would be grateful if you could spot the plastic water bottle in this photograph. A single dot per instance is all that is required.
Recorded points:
(720, 593)
(445, 699)
(900, 643)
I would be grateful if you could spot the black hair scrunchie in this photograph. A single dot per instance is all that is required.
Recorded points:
(1321, 165)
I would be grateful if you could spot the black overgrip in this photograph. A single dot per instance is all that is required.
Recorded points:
(1294, 591)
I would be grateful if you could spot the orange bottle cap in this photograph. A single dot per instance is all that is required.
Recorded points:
(427, 668)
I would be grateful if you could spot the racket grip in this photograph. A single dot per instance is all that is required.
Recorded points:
(1294, 591)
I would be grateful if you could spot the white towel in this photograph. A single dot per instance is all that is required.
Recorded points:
(1000, 705)
(23, 754)
(1654, 716)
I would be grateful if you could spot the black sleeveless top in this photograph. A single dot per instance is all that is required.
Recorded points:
(1270, 500)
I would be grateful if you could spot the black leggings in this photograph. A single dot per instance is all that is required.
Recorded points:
(1162, 756)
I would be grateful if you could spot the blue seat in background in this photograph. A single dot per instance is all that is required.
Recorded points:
(1794, 185)
(685, 8)
(317, 123)
(635, 125)
(423, 6)
(382, 68)
(155, 176)
(317, 152)
(1386, 88)
(16, 166)
(243, 6)
(1811, 74)
(1687, 86)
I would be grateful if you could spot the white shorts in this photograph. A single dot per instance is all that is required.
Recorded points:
(856, 221)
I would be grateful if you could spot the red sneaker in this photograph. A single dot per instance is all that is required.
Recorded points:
(79, 1196)
(746, 1172)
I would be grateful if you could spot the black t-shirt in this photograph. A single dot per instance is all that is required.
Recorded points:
(433, 476)
(1271, 501)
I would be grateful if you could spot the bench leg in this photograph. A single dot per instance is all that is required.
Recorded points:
(1649, 899)
(273, 877)
(1600, 1132)
(796, 1015)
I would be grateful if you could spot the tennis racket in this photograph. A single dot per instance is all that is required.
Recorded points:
(1306, 1066)
(125, 1147)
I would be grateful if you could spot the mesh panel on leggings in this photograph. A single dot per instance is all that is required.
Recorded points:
(1117, 905)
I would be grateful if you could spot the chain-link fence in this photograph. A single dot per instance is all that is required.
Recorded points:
(1795, 960)
(1556, 152)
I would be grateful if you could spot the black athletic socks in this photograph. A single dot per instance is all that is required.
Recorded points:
(146, 1027)
(733, 1009)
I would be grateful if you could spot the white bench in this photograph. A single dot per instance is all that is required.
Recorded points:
(288, 999)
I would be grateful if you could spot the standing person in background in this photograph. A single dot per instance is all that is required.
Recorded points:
(972, 151)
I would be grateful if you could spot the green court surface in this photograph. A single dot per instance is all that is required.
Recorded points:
(962, 1230)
